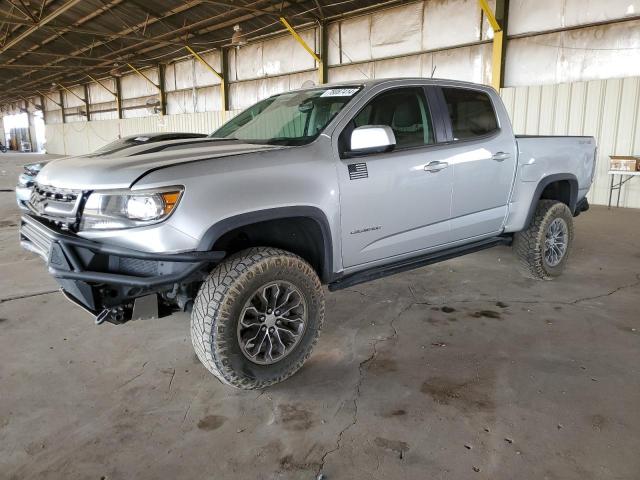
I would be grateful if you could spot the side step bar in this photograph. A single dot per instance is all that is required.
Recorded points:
(380, 271)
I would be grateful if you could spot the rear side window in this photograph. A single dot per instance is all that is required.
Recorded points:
(471, 113)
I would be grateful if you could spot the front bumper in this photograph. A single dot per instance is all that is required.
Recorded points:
(102, 277)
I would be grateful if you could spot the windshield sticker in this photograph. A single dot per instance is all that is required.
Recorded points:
(340, 92)
(141, 139)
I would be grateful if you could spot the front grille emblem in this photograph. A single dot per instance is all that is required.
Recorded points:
(56, 205)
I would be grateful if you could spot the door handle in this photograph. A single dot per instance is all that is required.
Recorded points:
(433, 167)
(500, 156)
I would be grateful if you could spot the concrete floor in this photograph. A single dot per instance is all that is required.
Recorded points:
(460, 370)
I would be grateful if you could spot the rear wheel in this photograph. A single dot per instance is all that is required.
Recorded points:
(543, 247)
(257, 317)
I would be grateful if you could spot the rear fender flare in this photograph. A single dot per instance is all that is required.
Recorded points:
(544, 183)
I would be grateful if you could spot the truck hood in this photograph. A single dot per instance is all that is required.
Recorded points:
(123, 168)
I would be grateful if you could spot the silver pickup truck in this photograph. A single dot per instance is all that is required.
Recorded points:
(332, 185)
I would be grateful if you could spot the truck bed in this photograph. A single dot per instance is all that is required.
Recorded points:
(541, 156)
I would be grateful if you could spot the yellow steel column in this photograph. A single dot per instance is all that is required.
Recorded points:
(496, 59)
(304, 45)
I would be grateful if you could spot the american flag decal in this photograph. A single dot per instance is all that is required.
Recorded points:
(358, 170)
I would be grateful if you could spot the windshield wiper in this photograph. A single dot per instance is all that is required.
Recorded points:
(287, 141)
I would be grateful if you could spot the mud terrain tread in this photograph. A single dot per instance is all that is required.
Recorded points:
(528, 245)
(216, 298)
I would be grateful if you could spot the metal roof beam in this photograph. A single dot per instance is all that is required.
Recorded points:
(53, 15)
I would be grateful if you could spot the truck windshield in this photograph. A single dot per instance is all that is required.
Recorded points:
(295, 118)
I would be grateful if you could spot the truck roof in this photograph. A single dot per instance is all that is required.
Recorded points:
(400, 80)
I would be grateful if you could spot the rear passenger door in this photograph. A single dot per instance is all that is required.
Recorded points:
(482, 154)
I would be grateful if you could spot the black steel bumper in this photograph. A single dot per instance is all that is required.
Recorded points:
(98, 276)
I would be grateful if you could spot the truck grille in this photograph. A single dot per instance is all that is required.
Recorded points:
(56, 205)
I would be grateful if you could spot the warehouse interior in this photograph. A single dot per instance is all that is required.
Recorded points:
(461, 369)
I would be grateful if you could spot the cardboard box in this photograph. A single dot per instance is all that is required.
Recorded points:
(624, 163)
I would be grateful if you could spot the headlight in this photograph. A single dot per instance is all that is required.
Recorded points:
(126, 208)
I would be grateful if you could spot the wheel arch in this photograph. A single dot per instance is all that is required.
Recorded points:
(303, 230)
(562, 187)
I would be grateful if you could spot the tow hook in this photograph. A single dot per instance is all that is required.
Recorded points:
(112, 315)
(102, 316)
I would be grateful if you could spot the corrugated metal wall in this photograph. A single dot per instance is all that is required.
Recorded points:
(609, 110)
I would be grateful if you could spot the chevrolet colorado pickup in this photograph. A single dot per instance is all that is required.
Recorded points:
(333, 185)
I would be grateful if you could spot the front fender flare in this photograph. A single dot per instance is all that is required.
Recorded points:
(228, 224)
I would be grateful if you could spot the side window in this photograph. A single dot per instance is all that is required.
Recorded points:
(471, 113)
(404, 110)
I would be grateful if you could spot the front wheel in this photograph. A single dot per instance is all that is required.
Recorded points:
(257, 317)
(543, 247)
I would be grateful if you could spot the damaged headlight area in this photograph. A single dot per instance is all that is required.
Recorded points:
(118, 209)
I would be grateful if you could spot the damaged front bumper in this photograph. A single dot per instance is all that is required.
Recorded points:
(113, 283)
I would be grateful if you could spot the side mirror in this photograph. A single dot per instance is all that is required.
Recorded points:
(372, 139)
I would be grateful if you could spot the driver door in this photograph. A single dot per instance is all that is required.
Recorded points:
(396, 202)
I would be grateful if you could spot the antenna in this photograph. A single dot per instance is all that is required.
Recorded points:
(434, 70)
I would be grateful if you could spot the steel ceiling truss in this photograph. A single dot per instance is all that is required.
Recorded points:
(47, 42)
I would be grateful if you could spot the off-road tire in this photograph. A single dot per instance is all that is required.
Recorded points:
(528, 245)
(218, 305)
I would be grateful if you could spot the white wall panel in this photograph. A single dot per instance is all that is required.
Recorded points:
(285, 54)
(49, 104)
(133, 85)
(464, 63)
(346, 73)
(471, 64)
(244, 94)
(408, 29)
(541, 15)
(137, 107)
(112, 114)
(204, 76)
(580, 12)
(71, 100)
(396, 31)
(208, 99)
(248, 61)
(179, 75)
(534, 15)
(97, 93)
(180, 102)
(609, 51)
(453, 22)
(398, 67)
(608, 110)
(54, 134)
(54, 116)
(356, 44)
(273, 57)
